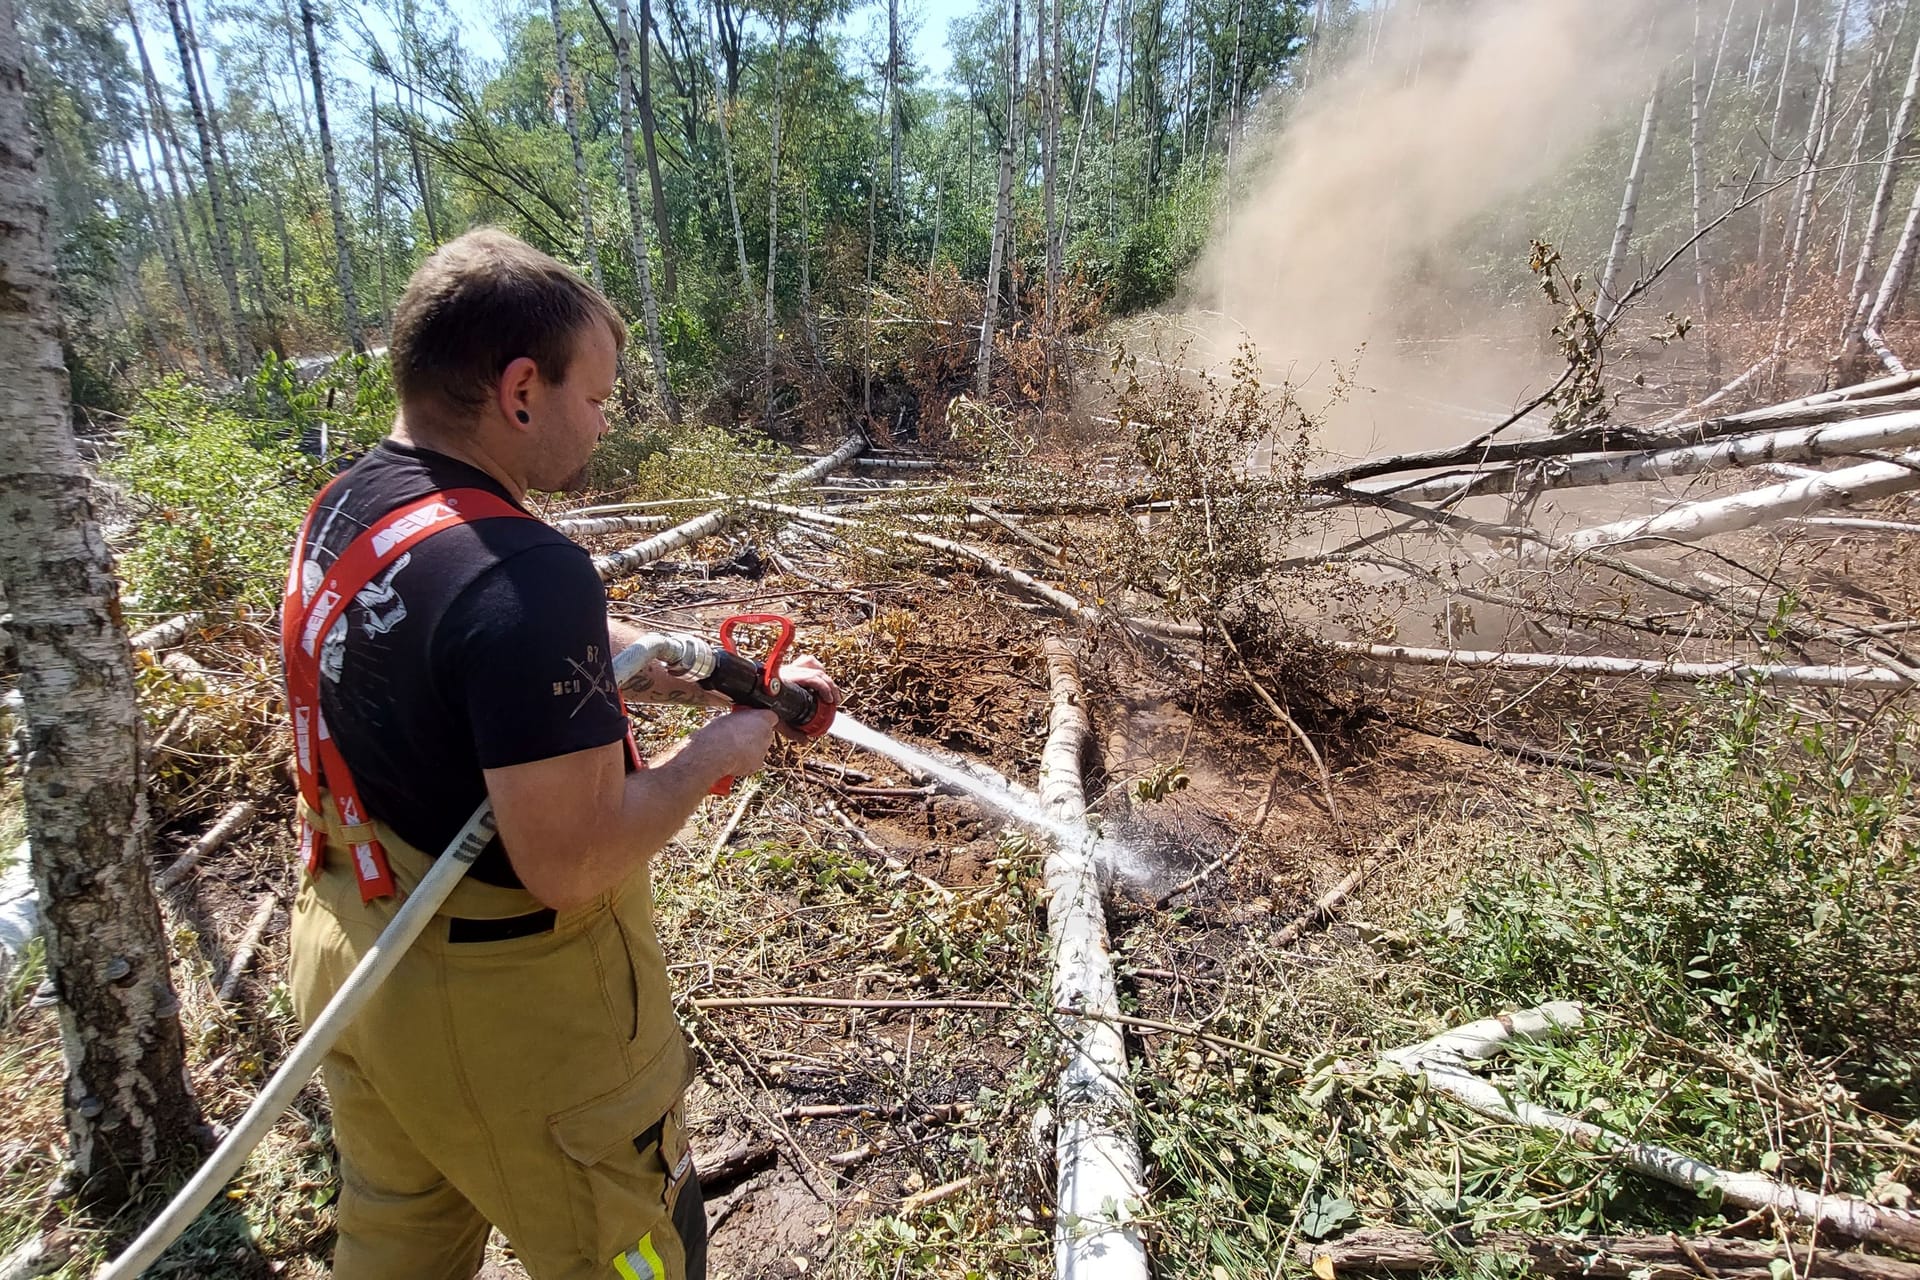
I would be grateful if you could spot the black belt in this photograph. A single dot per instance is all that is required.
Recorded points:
(463, 930)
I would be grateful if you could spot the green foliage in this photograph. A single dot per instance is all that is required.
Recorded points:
(1755, 888)
(219, 494)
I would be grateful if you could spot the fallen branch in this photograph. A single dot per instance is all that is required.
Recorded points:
(231, 823)
(249, 944)
(1437, 1060)
(702, 526)
(166, 634)
(1323, 906)
(934, 1195)
(1101, 1187)
(751, 790)
(837, 1002)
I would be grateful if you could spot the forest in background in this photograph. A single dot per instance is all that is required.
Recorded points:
(774, 190)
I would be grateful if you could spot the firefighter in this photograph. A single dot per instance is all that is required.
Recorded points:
(522, 1068)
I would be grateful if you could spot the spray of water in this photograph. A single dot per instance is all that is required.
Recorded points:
(1023, 810)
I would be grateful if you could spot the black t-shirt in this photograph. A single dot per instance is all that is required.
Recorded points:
(483, 646)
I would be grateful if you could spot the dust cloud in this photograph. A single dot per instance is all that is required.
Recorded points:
(1392, 208)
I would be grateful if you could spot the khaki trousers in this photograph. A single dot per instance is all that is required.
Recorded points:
(533, 1083)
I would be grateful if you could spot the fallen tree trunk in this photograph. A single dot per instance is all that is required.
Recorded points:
(616, 563)
(583, 526)
(1696, 520)
(1401, 1251)
(1097, 1157)
(1868, 399)
(1808, 675)
(1803, 444)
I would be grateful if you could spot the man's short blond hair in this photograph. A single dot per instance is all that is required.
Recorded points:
(477, 304)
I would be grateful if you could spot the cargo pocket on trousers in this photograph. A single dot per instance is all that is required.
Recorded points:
(626, 1147)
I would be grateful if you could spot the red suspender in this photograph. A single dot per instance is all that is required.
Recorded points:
(304, 625)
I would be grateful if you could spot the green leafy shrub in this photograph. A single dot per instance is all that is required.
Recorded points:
(1756, 888)
(218, 496)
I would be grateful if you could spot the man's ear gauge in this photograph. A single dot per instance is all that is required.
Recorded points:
(522, 415)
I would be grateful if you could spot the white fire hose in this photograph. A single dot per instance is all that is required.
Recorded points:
(680, 653)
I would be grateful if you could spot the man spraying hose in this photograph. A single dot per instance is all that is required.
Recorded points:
(522, 1068)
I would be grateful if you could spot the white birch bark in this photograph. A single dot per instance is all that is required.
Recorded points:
(1696, 163)
(1862, 295)
(773, 214)
(560, 41)
(222, 239)
(1096, 1155)
(642, 262)
(1002, 216)
(343, 254)
(1816, 676)
(1812, 152)
(1607, 300)
(1806, 444)
(722, 105)
(1694, 521)
(127, 1105)
(1847, 1215)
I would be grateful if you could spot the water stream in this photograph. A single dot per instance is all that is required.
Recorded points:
(1026, 812)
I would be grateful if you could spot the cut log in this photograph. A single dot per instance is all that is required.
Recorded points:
(619, 562)
(1101, 1189)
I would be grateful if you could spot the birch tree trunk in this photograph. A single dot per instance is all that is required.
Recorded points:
(249, 251)
(573, 137)
(1812, 152)
(343, 254)
(1002, 215)
(896, 111)
(1696, 164)
(723, 103)
(662, 225)
(773, 205)
(223, 239)
(1049, 163)
(1773, 128)
(1899, 267)
(128, 1107)
(162, 230)
(1861, 293)
(379, 205)
(1607, 300)
(642, 265)
(808, 322)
